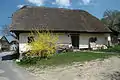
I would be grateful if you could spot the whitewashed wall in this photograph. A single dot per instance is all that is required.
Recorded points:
(65, 39)
(84, 39)
(23, 39)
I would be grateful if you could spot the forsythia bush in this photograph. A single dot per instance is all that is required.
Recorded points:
(44, 44)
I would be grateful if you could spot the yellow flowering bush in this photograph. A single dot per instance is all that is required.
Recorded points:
(44, 44)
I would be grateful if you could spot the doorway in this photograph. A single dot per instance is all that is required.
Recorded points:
(75, 41)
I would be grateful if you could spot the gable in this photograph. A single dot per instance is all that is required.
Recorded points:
(4, 39)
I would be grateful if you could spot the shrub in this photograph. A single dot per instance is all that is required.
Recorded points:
(44, 45)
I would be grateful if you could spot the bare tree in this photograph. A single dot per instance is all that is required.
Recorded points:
(111, 19)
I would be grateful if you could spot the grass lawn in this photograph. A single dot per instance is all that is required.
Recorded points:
(68, 58)
(112, 49)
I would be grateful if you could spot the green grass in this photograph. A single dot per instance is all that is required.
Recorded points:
(114, 49)
(67, 58)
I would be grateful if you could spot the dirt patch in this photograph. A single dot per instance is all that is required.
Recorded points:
(108, 69)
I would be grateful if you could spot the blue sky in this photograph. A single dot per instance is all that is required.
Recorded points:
(95, 7)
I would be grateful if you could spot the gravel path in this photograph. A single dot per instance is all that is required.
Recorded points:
(109, 69)
(10, 71)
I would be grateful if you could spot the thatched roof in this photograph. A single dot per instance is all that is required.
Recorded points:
(55, 19)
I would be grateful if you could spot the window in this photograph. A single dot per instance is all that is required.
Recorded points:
(30, 39)
(93, 39)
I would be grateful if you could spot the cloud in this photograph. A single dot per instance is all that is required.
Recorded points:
(86, 2)
(36, 2)
(59, 3)
(63, 3)
(20, 6)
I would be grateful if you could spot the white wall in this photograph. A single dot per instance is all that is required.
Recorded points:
(65, 39)
(84, 39)
(23, 39)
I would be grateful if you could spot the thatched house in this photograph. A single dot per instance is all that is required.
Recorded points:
(76, 28)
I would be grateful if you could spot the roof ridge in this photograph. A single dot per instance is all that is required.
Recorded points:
(27, 6)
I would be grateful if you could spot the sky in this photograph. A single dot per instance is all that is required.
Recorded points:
(94, 7)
